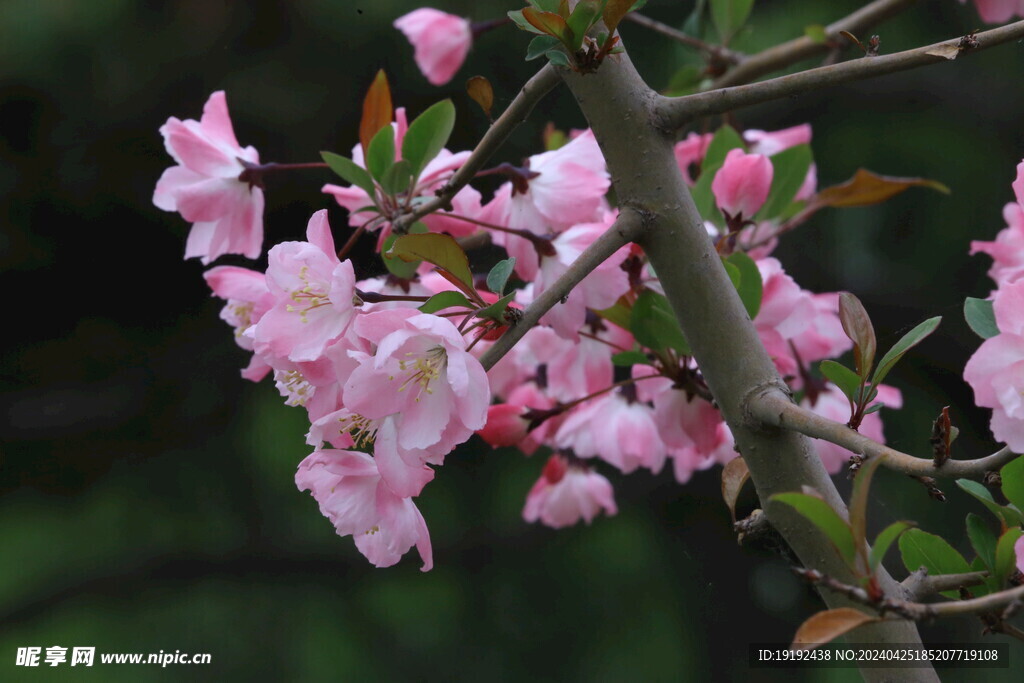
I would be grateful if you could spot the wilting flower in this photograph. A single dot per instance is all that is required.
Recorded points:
(566, 493)
(226, 212)
(441, 42)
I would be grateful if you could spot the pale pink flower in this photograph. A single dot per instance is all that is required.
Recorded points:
(1007, 251)
(441, 42)
(996, 370)
(741, 185)
(690, 153)
(508, 424)
(615, 428)
(1018, 183)
(348, 488)
(313, 296)
(998, 11)
(248, 298)
(770, 143)
(1018, 549)
(566, 493)
(421, 373)
(834, 405)
(226, 213)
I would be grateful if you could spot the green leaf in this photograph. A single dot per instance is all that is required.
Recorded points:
(581, 19)
(539, 46)
(519, 20)
(982, 539)
(628, 358)
(549, 23)
(498, 277)
(921, 549)
(1009, 516)
(443, 300)
(557, 57)
(350, 172)
(1013, 481)
(729, 16)
(816, 32)
(909, 341)
(397, 179)
(496, 311)
(403, 270)
(751, 288)
(857, 326)
(614, 10)
(733, 271)
(1006, 557)
(381, 156)
(685, 81)
(789, 172)
(654, 324)
(981, 317)
(884, 540)
(620, 314)
(842, 376)
(825, 518)
(428, 135)
(859, 501)
(873, 409)
(441, 250)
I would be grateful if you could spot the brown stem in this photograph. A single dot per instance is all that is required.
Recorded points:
(719, 52)
(773, 407)
(674, 113)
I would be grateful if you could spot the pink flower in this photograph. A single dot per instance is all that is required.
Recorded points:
(620, 431)
(996, 370)
(690, 153)
(998, 11)
(227, 213)
(422, 374)
(349, 490)
(248, 298)
(565, 493)
(772, 142)
(313, 296)
(834, 405)
(741, 185)
(1007, 251)
(1018, 548)
(441, 41)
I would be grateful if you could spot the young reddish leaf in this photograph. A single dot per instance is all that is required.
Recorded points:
(922, 549)
(1006, 556)
(519, 20)
(866, 188)
(481, 92)
(549, 23)
(614, 11)
(403, 270)
(734, 475)
(824, 627)
(825, 518)
(858, 328)
(441, 250)
(907, 342)
(884, 540)
(859, 502)
(377, 110)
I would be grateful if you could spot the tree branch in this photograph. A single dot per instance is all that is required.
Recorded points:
(627, 228)
(531, 93)
(919, 585)
(798, 49)
(775, 408)
(719, 52)
(674, 113)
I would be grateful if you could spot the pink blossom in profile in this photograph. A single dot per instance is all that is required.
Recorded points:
(834, 405)
(313, 296)
(742, 184)
(615, 428)
(248, 298)
(204, 187)
(509, 423)
(998, 11)
(996, 370)
(566, 493)
(441, 42)
(772, 142)
(348, 488)
(1007, 250)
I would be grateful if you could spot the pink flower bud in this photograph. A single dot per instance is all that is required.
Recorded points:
(566, 493)
(505, 425)
(441, 41)
(741, 186)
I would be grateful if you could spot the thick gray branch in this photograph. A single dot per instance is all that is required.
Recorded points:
(776, 409)
(780, 56)
(627, 228)
(674, 113)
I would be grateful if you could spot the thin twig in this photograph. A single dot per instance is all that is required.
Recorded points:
(717, 51)
(627, 228)
(919, 585)
(798, 49)
(532, 92)
(772, 407)
(672, 113)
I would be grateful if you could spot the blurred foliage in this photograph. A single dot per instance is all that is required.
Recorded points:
(147, 495)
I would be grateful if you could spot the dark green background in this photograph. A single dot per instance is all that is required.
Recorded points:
(147, 494)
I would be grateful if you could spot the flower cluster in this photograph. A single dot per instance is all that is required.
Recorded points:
(387, 366)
